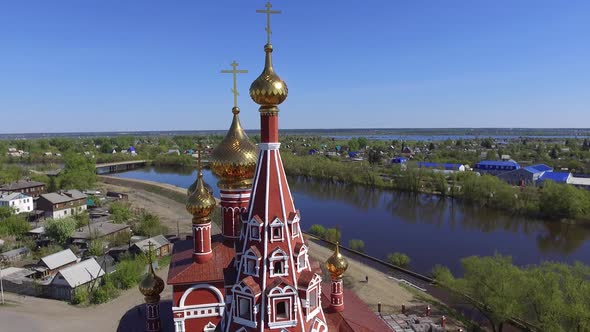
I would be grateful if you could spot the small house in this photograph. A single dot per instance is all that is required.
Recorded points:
(18, 202)
(161, 246)
(49, 265)
(62, 204)
(68, 280)
(15, 255)
(27, 187)
(494, 167)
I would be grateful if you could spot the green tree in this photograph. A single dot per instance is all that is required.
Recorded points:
(5, 212)
(120, 212)
(14, 225)
(332, 235)
(149, 225)
(79, 172)
(129, 272)
(317, 230)
(492, 285)
(399, 259)
(358, 245)
(60, 230)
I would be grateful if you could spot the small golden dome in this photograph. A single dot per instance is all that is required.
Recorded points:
(337, 264)
(234, 159)
(268, 89)
(200, 202)
(151, 285)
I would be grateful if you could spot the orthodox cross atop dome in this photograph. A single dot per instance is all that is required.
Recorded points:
(268, 12)
(235, 73)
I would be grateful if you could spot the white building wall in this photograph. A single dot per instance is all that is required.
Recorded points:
(67, 212)
(23, 204)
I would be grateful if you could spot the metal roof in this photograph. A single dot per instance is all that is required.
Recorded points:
(63, 197)
(497, 163)
(158, 241)
(81, 273)
(542, 167)
(15, 252)
(58, 259)
(12, 196)
(21, 185)
(560, 177)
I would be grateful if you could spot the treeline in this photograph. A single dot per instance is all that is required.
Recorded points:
(554, 297)
(552, 201)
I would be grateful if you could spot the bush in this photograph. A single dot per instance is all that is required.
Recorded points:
(104, 292)
(317, 230)
(149, 225)
(332, 235)
(398, 259)
(14, 225)
(129, 272)
(358, 245)
(80, 296)
(120, 212)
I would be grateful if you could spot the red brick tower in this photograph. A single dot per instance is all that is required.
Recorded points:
(337, 265)
(275, 287)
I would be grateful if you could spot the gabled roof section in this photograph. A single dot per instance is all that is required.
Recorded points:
(158, 241)
(257, 219)
(300, 246)
(21, 185)
(542, 168)
(254, 250)
(81, 273)
(294, 215)
(252, 284)
(58, 259)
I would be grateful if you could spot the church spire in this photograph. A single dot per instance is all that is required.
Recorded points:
(275, 287)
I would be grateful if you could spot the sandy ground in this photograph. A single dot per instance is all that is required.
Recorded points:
(171, 213)
(36, 314)
(378, 289)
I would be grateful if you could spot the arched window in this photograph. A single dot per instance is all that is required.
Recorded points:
(276, 230)
(279, 263)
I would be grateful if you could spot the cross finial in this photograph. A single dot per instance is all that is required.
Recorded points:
(235, 73)
(268, 12)
(199, 149)
(150, 245)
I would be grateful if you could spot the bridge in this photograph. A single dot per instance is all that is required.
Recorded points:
(120, 166)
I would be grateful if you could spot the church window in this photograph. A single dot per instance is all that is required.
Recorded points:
(278, 263)
(295, 229)
(255, 232)
(179, 326)
(281, 310)
(244, 308)
(302, 261)
(313, 299)
(276, 230)
(278, 267)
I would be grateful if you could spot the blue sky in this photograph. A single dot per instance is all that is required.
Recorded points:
(112, 65)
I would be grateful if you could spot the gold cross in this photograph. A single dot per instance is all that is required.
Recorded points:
(235, 73)
(268, 12)
(199, 150)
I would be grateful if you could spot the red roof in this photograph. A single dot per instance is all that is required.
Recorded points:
(305, 278)
(250, 282)
(356, 317)
(184, 270)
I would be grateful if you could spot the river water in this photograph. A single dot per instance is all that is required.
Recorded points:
(430, 229)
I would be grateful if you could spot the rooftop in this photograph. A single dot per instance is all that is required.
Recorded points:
(559, 177)
(81, 273)
(65, 196)
(58, 259)
(12, 196)
(183, 268)
(158, 241)
(22, 184)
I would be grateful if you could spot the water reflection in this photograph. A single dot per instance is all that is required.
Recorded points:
(430, 229)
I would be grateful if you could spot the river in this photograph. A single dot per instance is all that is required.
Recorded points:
(430, 229)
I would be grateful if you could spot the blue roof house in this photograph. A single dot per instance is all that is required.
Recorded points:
(494, 167)
(399, 160)
(558, 177)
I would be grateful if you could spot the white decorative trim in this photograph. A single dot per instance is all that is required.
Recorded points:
(269, 146)
(240, 195)
(201, 286)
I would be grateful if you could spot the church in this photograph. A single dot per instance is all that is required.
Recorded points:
(257, 274)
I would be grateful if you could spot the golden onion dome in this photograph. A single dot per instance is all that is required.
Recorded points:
(268, 89)
(151, 285)
(200, 202)
(234, 159)
(337, 264)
